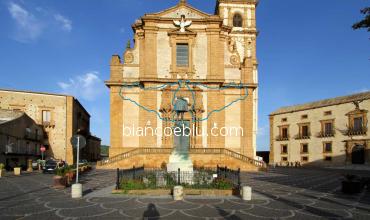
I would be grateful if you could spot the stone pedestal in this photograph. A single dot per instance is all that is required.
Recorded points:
(178, 193)
(179, 160)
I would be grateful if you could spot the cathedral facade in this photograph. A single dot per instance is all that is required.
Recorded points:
(190, 66)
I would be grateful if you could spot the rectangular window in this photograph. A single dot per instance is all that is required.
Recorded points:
(304, 148)
(304, 116)
(327, 147)
(284, 133)
(284, 119)
(46, 116)
(327, 113)
(357, 124)
(328, 126)
(305, 131)
(304, 159)
(284, 149)
(284, 159)
(182, 55)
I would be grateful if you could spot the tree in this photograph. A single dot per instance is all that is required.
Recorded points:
(365, 23)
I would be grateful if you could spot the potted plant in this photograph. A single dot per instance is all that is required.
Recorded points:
(352, 184)
(60, 180)
(1, 169)
(70, 174)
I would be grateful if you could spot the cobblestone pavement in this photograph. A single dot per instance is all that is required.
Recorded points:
(281, 193)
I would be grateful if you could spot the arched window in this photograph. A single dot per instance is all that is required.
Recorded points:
(237, 20)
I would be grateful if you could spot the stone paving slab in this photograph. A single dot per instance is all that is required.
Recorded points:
(279, 194)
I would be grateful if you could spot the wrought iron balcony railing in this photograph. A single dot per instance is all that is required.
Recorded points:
(356, 131)
(324, 134)
(303, 136)
(282, 138)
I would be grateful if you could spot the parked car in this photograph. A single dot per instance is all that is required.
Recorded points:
(83, 162)
(52, 165)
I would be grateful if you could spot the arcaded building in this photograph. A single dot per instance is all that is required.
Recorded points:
(330, 132)
(60, 116)
(206, 61)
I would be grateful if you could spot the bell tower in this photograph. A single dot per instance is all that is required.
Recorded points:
(240, 17)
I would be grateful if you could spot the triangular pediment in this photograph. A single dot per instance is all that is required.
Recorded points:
(182, 9)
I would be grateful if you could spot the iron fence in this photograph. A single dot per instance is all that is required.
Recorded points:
(159, 178)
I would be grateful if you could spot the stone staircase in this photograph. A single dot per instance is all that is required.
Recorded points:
(201, 157)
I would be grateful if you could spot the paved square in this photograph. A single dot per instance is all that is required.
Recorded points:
(285, 193)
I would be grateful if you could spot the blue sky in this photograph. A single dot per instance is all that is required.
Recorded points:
(306, 50)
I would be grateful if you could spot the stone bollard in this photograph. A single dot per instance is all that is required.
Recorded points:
(29, 165)
(17, 171)
(178, 193)
(76, 191)
(247, 193)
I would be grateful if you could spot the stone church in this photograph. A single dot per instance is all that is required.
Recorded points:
(206, 61)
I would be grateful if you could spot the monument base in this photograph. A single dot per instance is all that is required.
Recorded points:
(181, 161)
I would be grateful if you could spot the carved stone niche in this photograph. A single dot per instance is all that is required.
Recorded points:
(196, 108)
(177, 37)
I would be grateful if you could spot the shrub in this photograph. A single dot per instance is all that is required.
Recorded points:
(131, 184)
(222, 183)
(2, 166)
(60, 172)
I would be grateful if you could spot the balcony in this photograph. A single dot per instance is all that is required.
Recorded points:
(282, 138)
(32, 136)
(325, 134)
(302, 136)
(18, 150)
(356, 131)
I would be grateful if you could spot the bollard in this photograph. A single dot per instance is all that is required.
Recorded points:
(29, 165)
(17, 171)
(178, 193)
(247, 193)
(76, 191)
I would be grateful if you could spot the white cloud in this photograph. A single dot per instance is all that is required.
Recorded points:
(32, 23)
(87, 86)
(28, 26)
(65, 23)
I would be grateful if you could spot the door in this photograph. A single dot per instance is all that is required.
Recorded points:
(358, 154)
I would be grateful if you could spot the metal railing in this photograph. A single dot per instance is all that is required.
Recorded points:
(323, 134)
(282, 138)
(303, 136)
(159, 178)
(356, 131)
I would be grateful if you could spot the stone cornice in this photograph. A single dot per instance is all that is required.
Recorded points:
(110, 83)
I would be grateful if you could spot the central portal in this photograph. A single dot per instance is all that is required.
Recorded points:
(179, 159)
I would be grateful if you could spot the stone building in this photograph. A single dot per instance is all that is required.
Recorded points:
(206, 60)
(20, 138)
(61, 117)
(331, 132)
